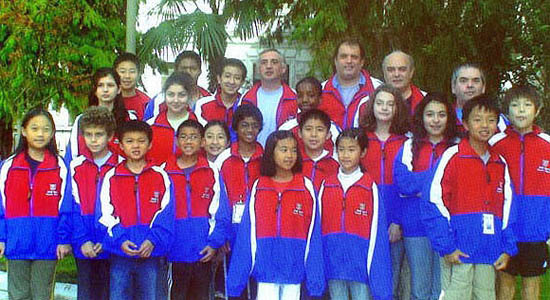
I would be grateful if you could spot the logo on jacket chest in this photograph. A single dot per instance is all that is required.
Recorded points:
(207, 193)
(298, 210)
(544, 167)
(362, 210)
(155, 198)
(53, 190)
(500, 187)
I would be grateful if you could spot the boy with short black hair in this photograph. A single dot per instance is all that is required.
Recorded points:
(128, 68)
(137, 210)
(202, 215)
(468, 214)
(97, 126)
(317, 162)
(527, 150)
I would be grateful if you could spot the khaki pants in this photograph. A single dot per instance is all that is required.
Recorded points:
(30, 279)
(467, 281)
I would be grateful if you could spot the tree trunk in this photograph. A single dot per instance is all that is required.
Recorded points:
(131, 15)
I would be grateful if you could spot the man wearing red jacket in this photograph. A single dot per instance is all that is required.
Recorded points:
(343, 91)
(275, 99)
(398, 68)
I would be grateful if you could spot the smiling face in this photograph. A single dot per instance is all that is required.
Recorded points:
(285, 155)
(248, 129)
(398, 71)
(128, 73)
(348, 62)
(38, 132)
(435, 120)
(189, 141)
(384, 107)
(307, 96)
(314, 134)
(481, 124)
(231, 80)
(271, 66)
(106, 90)
(135, 144)
(215, 141)
(176, 99)
(349, 154)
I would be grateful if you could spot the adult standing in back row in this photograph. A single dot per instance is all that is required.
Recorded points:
(274, 98)
(344, 90)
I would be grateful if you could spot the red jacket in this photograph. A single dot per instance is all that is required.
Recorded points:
(380, 157)
(287, 108)
(212, 108)
(319, 170)
(165, 143)
(331, 101)
(136, 104)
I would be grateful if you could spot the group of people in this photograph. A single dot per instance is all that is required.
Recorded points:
(349, 188)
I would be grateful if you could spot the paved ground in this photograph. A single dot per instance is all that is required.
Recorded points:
(63, 291)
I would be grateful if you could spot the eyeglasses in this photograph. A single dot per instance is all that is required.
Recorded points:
(192, 137)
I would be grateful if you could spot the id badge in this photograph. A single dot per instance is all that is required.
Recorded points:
(238, 211)
(488, 224)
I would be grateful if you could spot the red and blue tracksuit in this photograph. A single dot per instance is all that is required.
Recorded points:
(286, 109)
(136, 104)
(36, 214)
(202, 213)
(164, 143)
(279, 239)
(157, 105)
(137, 207)
(211, 108)
(319, 169)
(410, 175)
(354, 230)
(239, 175)
(415, 98)
(467, 197)
(293, 126)
(77, 144)
(379, 164)
(85, 183)
(331, 100)
(528, 158)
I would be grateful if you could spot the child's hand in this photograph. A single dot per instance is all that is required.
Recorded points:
(98, 248)
(88, 249)
(63, 250)
(146, 249)
(394, 231)
(454, 258)
(2, 248)
(502, 262)
(209, 253)
(129, 248)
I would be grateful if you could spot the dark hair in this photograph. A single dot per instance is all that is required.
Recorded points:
(182, 79)
(349, 42)
(267, 165)
(119, 110)
(482, 101)
(191, 124)
(188, 55)
(528, 92)
(400, 120)
(419, 131)
(454, 76)
(23, 145)
(232, 62)
(313, 81)
(222, 124)
(355, 134)
(244, 111)
(314, 114)
(135, 126)
(97, 116)
(127, 56)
